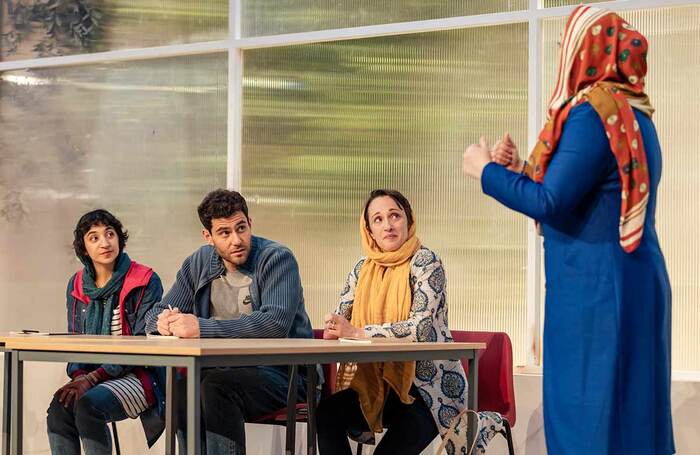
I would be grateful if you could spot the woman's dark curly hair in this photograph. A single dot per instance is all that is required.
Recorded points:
(96, 217)
(220, 204)
(399, 198)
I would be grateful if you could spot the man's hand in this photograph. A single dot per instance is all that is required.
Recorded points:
(475, 159)
(182, 325)
(163, 325)
(69, 394)
(336, 326)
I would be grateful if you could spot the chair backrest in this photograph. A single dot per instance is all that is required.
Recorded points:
(330, 371)
(495, 371)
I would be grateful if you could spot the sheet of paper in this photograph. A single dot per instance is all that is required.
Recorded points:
(154, 336)
(375, 340)
(355, 340)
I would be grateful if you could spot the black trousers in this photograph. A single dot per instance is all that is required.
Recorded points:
(410, 427)
(232, 396)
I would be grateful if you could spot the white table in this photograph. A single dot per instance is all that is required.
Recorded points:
(196, 354)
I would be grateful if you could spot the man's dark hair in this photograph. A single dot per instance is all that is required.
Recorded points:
(100, 217)
(220, 204)
(399, 198)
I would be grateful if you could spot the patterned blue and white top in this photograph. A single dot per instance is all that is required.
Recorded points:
(442, 383)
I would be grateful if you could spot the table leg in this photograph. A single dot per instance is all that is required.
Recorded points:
(16, 397)
(170, 411)
(291, 410)
(311, 410)
(473, 398)
(6, 403)
(194, 440)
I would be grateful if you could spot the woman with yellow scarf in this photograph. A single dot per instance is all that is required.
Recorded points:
(397, 290)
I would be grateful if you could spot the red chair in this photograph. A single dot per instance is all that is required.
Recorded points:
(496, 393)
(302, 413)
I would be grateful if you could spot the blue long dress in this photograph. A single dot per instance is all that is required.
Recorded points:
(607, 331)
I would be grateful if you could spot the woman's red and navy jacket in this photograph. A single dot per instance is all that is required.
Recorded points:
(141, 290)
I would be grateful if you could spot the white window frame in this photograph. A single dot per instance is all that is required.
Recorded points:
(236, 45)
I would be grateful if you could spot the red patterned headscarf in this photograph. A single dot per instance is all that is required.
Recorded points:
(603, 61)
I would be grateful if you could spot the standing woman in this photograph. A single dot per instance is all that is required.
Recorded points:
(109, 296)
(397, 291)
(591, 184)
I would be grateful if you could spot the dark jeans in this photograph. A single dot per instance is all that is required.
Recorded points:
(410, 427)
(86, 422)
(232, 396)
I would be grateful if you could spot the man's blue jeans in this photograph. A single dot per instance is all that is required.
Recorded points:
(232, 396)
(86, 422)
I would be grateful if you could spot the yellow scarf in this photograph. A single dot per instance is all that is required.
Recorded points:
(382, 295)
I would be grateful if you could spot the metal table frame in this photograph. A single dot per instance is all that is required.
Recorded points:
(14, 362)
(6, 392)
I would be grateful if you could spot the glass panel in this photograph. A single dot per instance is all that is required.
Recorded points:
(271, 17)
(42, 28)
(146, 140)
(326, 123)
(674, 36)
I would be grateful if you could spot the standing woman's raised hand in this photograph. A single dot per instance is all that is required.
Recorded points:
(475, 158)
(505, 153)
